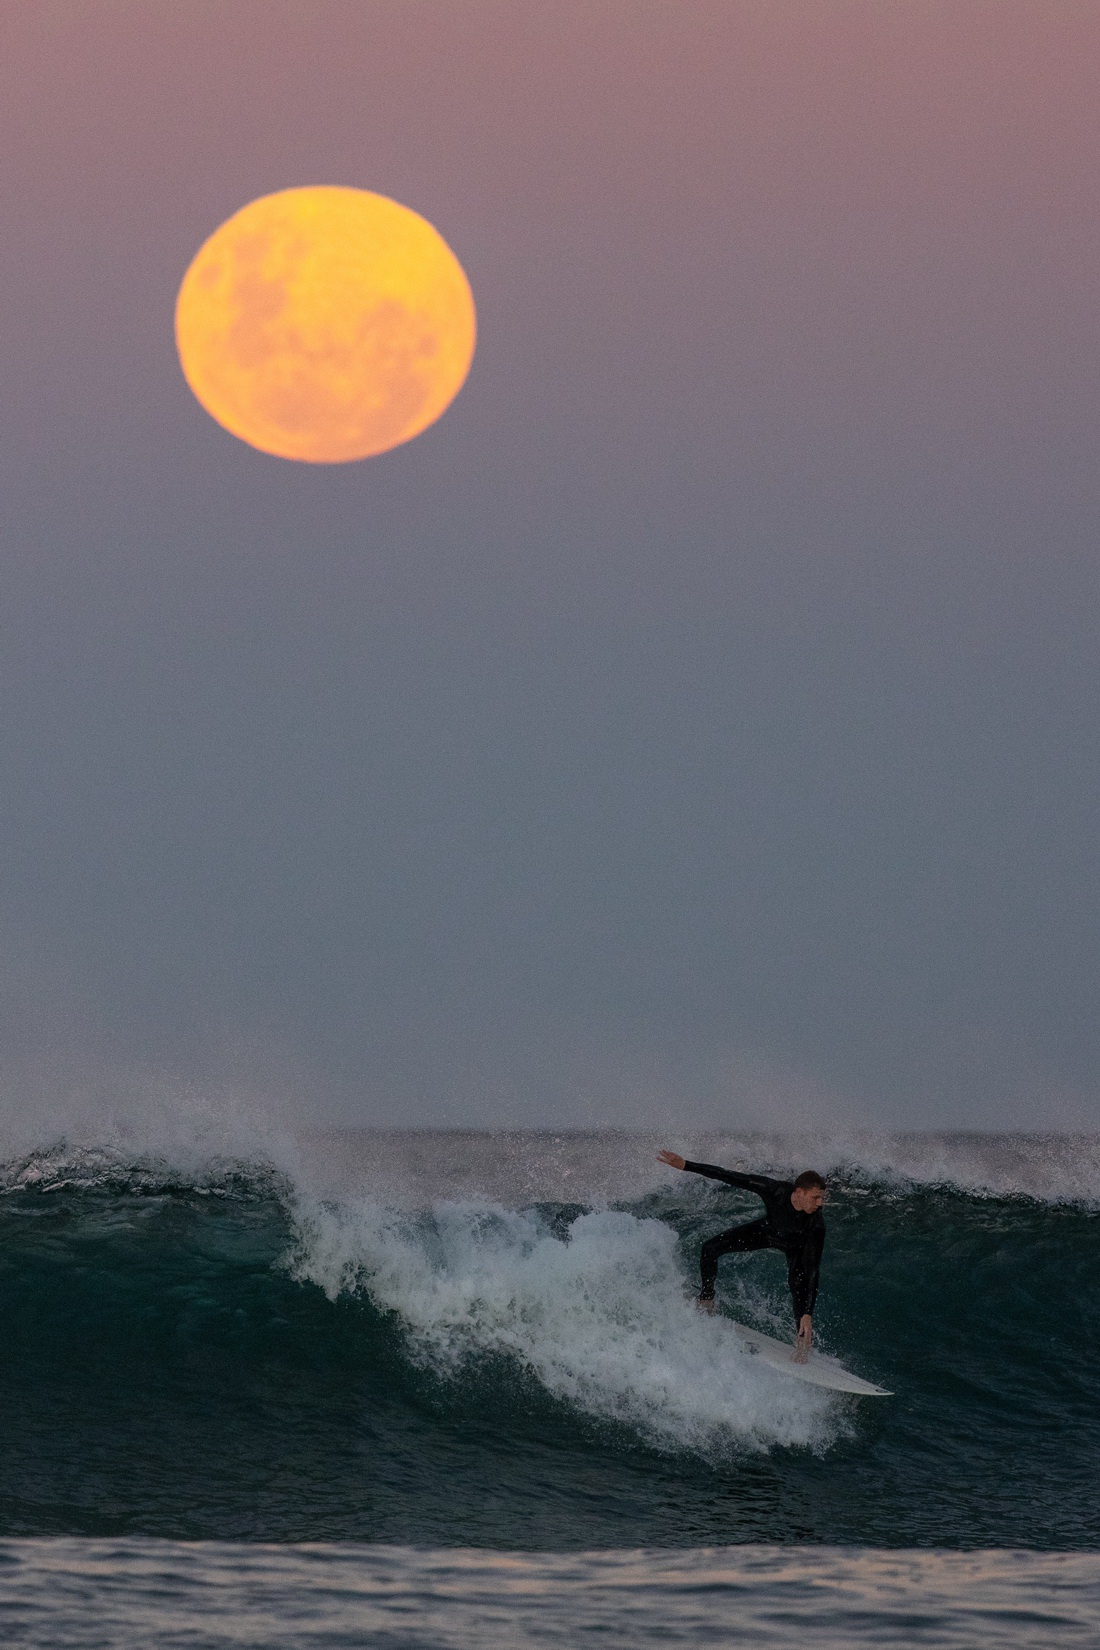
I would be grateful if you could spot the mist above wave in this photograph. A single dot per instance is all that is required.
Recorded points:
(138, 1134)
(521, 1167)
(177, 1132)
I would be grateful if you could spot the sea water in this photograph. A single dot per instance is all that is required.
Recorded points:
(450, 1389)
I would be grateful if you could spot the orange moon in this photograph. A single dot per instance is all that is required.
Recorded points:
(325, 324)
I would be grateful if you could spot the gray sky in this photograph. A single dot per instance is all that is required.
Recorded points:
(699, 721)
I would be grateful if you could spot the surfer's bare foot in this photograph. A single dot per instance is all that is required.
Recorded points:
(706, 1303)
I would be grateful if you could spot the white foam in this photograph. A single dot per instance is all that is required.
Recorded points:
(599, 1316)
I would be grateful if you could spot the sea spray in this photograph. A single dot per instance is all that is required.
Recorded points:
(111, 1132)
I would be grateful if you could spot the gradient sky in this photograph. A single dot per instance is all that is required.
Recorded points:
(700, 721)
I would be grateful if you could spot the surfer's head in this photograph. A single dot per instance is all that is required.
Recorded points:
(809, 1192)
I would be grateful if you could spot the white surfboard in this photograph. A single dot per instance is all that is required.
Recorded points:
(819, 1369)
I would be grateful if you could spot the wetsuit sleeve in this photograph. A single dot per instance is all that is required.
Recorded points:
(761, 1184)
(803, 1273)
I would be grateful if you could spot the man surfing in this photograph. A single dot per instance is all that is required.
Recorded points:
(792, 1222)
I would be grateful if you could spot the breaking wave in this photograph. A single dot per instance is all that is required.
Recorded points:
(232, 1334)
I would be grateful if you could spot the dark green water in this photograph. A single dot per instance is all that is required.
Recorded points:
(233, 1361)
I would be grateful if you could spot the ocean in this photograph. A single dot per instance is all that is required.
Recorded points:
(447, 1389)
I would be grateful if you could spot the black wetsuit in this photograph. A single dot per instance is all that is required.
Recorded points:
(801, 1237)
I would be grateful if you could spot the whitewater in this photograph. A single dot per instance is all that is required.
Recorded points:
(593, 1307)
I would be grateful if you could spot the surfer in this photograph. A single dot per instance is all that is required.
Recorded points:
(792, 1222)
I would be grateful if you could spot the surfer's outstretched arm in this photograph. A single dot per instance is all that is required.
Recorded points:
(761, 1184)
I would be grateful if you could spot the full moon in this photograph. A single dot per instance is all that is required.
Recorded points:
(325, 324)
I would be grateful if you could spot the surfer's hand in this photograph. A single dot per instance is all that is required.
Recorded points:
(671, 1158)
(805, 1339)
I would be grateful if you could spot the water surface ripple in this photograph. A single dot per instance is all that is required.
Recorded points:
(82, 1595)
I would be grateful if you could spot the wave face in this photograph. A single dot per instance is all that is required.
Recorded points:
(240, 1351)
